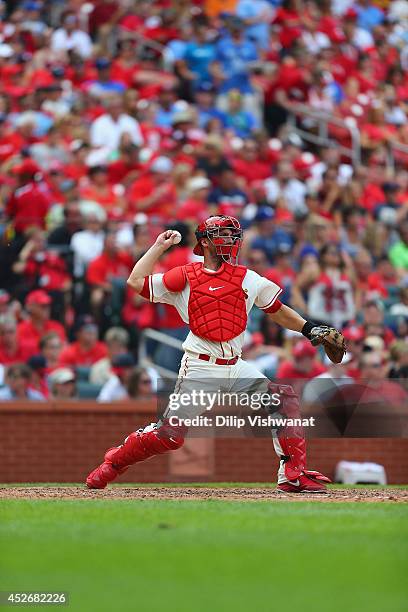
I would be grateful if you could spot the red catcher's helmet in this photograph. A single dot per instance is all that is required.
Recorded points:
(226, 246)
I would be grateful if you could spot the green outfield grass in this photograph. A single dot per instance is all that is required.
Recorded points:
(191, 556)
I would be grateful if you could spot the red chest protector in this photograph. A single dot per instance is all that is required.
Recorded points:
(216, 306)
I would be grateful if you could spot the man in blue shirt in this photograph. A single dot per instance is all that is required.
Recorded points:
(369, 16)
(234, 55)
(199, 54)
(104, 83)
(204, 101)
(17, 387)
(257, 16)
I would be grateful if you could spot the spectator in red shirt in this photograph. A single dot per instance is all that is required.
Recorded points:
(86, 350)
(28, 206)
(38, 305)
(103, 17)
(99, 190)
(10, 140)
(127, 167)
(249, 165)
(12, 349)
(42, 267)
(154, 193)
(303, 364)
(112, 265)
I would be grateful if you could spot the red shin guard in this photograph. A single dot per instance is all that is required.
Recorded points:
(141, 445)
(289, 442)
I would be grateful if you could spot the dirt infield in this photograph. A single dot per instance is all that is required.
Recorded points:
(197, 493)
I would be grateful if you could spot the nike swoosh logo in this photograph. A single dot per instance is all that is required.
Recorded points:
(295, 483)
(215, 288)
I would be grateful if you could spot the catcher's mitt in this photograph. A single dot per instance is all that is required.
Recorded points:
(333, 341)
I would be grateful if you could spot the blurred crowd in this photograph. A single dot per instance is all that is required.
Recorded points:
(121, 118)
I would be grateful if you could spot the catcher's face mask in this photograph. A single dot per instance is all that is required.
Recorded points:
(224, 233)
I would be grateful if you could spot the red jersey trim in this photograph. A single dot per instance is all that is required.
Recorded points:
(145, 292)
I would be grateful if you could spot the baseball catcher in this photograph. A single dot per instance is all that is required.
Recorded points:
(214, 297)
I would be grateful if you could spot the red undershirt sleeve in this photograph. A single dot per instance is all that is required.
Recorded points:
(274, 308)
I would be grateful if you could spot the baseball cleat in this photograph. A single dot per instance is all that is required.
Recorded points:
(104, 474)
(311, 483)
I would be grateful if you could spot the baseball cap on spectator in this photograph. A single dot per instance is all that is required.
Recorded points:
(55, 167)
(102, 63)
(284, 245)
(4, 296)
(37, 362)
(390, 187)
(38, 297)
(303, 348)
(293, 139)
(373, 343)
(89, 208)
(140, 219)
(122, 361)
(206, 87)
(60, 376)
(28, 166)
(351, 14)
(162, 165)
(265, 213)
(66, 185)
(85, 321)
(387, 215)
(32, 6)
(58, 72)
(353, 333)
(183, 116)
(307, 250)
(77, 144)
(198, 182)
(282, 215)
(214, 141)
(6, 51)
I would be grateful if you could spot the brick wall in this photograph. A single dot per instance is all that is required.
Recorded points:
(63, 442)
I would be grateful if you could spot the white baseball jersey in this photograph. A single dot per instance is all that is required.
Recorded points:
(259, 290)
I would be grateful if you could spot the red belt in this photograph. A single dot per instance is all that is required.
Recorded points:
(219, 361)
